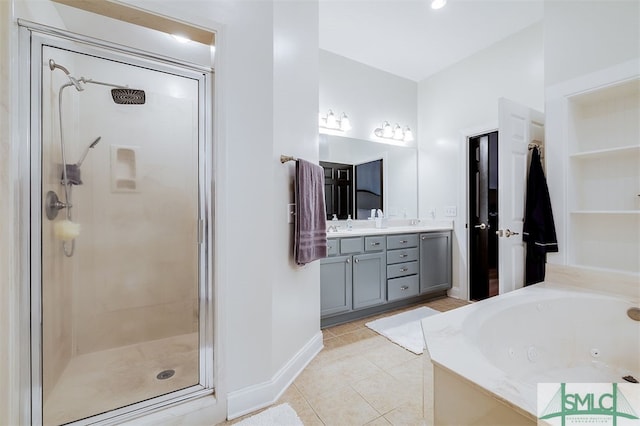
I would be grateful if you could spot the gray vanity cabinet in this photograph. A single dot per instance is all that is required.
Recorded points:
(435, 261)
(336, 285)
(354, 276)
(369, 280)
(365, 275)
(402, 266)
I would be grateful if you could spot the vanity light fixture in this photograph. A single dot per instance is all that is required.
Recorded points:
(438, 4)
(396, 132)
(330, 122)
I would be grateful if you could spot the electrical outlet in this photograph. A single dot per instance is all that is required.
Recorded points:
(450, 211)
(431, 213)
(291, 212)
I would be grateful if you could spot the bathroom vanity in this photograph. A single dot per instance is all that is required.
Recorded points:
(369, 271)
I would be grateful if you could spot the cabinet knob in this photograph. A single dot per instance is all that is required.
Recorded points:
(348, 260)
(404, 287)
(404, 242)
(424, 237)
(404, 269)
(404, 255)
(376, 243)
(356, 260)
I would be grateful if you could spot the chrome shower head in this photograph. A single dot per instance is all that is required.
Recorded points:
(86, 151)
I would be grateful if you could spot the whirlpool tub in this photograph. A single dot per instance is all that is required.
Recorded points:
(488, 357)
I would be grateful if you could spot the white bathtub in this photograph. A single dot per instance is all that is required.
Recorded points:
(498, 350)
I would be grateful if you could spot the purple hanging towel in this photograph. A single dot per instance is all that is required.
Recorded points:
(311, 218)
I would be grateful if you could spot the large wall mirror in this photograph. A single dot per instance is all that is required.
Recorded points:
(395, 167)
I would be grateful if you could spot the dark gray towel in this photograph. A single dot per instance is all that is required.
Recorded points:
(311, 220)
(539, 231)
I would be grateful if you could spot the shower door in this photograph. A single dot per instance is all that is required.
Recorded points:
(123, 275)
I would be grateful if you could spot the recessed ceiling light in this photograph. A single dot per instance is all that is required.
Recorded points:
(181, 38)
(438, 4)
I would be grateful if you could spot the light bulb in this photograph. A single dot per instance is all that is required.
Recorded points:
(397, 132)
(345, 125)
(331, 120)
(387, 131)
(408, 134)
(438, 4)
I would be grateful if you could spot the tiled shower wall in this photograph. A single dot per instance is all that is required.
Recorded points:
(133, 276)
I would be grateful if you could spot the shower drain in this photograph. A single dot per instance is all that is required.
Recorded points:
(166, 374)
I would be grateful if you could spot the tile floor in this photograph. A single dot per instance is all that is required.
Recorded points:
(361, 378)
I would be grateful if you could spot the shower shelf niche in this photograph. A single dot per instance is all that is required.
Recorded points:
(123, 168)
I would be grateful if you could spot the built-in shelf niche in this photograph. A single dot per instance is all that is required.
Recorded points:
(603, 140)
(124, 173)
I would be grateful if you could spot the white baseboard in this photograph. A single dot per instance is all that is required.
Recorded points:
(258, 396)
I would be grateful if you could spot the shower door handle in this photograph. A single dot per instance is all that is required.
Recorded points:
(481, 226)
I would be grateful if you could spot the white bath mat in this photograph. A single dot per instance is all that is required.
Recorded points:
(404, 329)
(280, 415)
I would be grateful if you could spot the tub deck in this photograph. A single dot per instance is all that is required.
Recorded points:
(501, 348)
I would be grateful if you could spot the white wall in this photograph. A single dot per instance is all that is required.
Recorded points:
(611, 30)
(296, 291)
(8, 231)
(367, 95)
(462, 100)
(586, 36)
(267, 310)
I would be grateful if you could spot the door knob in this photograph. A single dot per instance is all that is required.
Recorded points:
(481, 226)
(509, 233)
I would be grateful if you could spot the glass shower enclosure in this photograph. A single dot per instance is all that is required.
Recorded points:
(119, 273)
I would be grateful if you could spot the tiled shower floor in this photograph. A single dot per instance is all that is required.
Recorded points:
(101, 381)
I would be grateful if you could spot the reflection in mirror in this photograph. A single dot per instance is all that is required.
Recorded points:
(399, 171)
(368, 188)
(338, 189)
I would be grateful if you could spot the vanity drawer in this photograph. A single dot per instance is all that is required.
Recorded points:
(374, 243)
(351, 245)
(401, 256)
(402, 241)
(332, 247)
(400, 288)
(402, 269)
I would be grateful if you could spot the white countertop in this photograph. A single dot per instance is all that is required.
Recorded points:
(360, 228)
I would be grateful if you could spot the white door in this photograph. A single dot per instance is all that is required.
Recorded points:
(518, 127)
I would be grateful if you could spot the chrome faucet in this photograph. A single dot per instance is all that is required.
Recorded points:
(332, 228)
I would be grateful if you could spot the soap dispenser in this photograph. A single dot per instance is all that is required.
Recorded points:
(349, 223)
